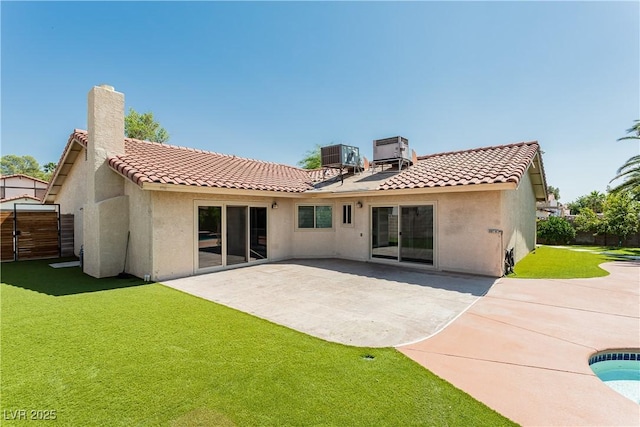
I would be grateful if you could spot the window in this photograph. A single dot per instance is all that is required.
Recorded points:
(347, 214)
(312, 216)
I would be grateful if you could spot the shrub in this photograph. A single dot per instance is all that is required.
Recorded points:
(556, 231)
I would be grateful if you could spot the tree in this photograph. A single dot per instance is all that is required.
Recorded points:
(621, 215)
(594, 201)
(27, 165)
(556, 230)
(312, 159)
(143, 126)
(630, 170)
(554, 190)
(633, 130)
(587, 220)
(49, 168)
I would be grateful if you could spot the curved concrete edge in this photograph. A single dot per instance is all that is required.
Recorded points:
(347, 302)
(523, 349)
(445, 325)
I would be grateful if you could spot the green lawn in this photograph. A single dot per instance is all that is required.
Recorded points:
(549, 262)
(120, 352)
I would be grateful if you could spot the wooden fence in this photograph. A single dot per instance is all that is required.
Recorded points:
(35, 234)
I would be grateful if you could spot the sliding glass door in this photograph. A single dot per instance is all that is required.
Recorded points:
(209, 236)
(403, 233)
(236, 235)
(231, 235)
(258, 233)
(416, 234)
(384, 232)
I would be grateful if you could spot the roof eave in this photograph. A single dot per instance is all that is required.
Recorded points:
(69, 156)
(178, 188)
(152, 186)
(538, 177)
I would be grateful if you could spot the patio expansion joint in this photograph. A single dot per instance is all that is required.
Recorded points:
(563, 307)
(572, 282)
(534, 331)
(500, 362)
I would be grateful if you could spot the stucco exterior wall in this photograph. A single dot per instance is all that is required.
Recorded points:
(519, 213)
(313, 243)
(72, 197)
(352, 242)
(140, 256)
(173, 233)
(462, 242)
(462, 221)
(106, 226)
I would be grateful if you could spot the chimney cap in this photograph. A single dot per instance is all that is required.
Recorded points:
(107, 87)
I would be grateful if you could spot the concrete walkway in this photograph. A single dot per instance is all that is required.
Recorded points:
(523, 349)
(355, 303)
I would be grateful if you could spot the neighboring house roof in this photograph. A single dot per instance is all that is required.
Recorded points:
(147, 162)
(24, 196)
(21, 175)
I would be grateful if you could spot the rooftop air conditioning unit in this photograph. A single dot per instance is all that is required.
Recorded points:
(339, 156)
(395, 148)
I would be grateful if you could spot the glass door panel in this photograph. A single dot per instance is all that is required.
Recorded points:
(384, 232)
(236, 234)
(257, 233)
(209, 236)
(416, 236)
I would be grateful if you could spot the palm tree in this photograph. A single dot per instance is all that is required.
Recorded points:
(634, 130)
(630, 170)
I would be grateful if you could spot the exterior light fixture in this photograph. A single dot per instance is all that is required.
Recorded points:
(274, 205)
(358, 204)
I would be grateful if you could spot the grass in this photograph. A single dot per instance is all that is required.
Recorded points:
(550, 262)
(119, 352)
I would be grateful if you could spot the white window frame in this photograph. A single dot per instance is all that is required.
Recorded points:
(315, 205)
(352, 211)
(223, 205)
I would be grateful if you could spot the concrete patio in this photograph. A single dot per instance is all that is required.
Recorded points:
(521, 346)
(354, 303)
(523, 349)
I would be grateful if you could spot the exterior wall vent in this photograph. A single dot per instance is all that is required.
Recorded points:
(340, 156)
(391, 149)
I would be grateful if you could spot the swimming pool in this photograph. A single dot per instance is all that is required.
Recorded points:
(620, 370)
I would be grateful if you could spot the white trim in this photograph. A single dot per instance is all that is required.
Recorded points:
(314, 229)
(315, 194)
(351, 217)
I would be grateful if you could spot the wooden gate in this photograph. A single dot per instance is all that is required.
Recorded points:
(6, 236)
(31, 234)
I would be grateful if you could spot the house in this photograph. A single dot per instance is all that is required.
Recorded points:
(551, 207)
(20, 189)
(170, 211)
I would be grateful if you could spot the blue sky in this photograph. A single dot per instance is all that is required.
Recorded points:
(270, 80)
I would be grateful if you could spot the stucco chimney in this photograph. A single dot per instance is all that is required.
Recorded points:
(105, 218)
(105, 121)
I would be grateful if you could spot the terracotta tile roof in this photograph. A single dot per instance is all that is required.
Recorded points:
(320, 174)
(152, 162)
(488, 165)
